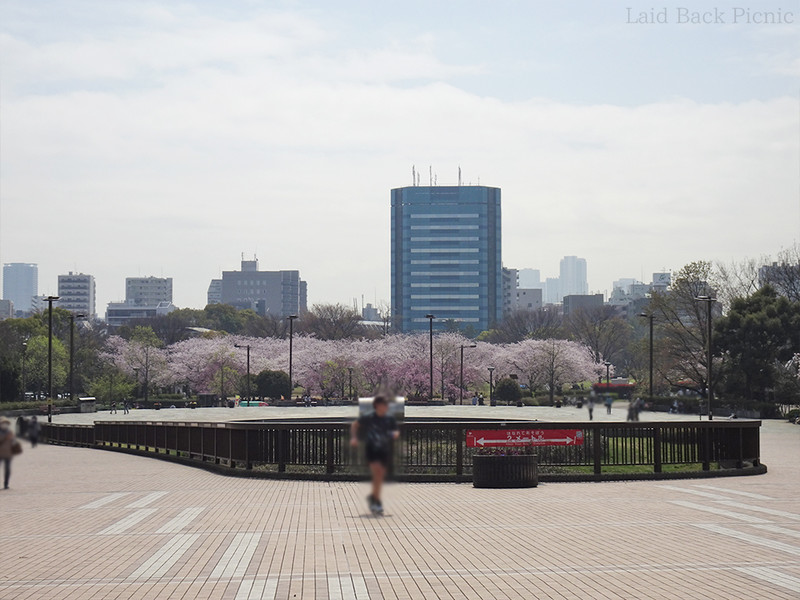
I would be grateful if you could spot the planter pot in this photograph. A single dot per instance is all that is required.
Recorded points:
(505, 471)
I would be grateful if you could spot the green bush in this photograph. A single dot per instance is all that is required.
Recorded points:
(34, 404)
(508, 391)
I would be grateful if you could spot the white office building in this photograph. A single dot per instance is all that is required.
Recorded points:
(148, 291)
(76, 293)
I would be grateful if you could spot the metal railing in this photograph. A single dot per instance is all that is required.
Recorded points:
(427, 450)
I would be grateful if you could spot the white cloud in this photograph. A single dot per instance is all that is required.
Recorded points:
(175, 148)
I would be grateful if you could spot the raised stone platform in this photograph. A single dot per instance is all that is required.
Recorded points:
(78, 523)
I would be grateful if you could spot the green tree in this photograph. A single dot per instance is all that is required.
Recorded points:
(271, 384)
(508, 391)
(111, 385)
(36, 362)
(759, 335)
(225, 381)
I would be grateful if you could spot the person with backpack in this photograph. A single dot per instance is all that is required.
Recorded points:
(378, 430)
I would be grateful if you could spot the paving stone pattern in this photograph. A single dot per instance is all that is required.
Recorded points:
(84, 523)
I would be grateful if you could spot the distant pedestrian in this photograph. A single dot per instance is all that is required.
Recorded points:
(378, 430)
(609, 402)
(481, 401)
(590, 406)
(34, 429)
(22, 426)
(113, 410)
(9, 447)
(125, 407)
(475, 400)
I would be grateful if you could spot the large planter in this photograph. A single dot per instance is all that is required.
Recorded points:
(495, 471)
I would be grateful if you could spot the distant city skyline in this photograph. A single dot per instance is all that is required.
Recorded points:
(161, 139)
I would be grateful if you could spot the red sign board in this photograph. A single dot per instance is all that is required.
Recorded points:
(484, 438)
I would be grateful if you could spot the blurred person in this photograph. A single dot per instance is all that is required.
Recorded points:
(9, 447)
(34, 429)
(378, 430)
(590, 406)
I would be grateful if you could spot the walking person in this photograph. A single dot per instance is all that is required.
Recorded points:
(378, 430)
(9, 447)
(609, 401)
(34, 429)
(590, 406)
(113, 410)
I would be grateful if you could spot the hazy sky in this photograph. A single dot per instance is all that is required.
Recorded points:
(166, 138)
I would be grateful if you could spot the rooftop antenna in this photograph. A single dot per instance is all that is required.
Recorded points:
(413, 175)
(430, 174)
(459, 175)
(435, 180)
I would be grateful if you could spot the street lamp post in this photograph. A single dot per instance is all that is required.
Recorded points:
(491, 386)
(291, 343)
(50, 300)
(72, 318)
(651, 318)
(247, 347)
(608, 371)
(350, 385)
(24, 351)
(461, 385)
(430, 324)
(709, 301)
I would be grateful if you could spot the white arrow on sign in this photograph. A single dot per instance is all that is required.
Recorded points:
(483, 441)
(567, 440)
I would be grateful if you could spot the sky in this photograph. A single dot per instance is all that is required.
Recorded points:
(168, 138)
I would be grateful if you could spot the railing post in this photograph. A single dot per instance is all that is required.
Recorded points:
(282, 448)
(247, 463)
(460, 441)
(231, 462)
(329, 464)
(657, 448)
(597, 450)
(706, 448)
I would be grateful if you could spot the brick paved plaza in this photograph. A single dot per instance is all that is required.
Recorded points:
(84, 523)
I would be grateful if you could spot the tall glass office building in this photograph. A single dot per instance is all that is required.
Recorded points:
(446, 257)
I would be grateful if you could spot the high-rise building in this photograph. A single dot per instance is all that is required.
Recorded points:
(446, 256)
(510, 285)
(215, 292)
(530, 279)
(572, 277)
(278, 293)
(148, 291)
(20, 285)
(552, 291)
(76, 293)
(6, 309)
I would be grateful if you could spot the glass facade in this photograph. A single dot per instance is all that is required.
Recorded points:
(446, 256)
